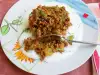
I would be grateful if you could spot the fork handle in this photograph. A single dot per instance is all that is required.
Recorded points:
(92, 43)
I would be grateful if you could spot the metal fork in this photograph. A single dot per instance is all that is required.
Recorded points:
(75, 41)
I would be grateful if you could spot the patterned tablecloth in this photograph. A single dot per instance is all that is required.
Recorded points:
(7, 68)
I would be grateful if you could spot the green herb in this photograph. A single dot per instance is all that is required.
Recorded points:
(63, 18)
(70, 38)
(42, 13)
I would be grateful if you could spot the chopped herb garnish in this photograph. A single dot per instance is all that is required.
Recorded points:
(42, 13)
(70, 38)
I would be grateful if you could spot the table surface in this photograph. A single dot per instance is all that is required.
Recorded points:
(7, 68)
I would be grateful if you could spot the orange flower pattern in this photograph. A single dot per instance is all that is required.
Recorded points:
(17, 46)
(20, 55)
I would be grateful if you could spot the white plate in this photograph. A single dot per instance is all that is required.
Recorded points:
(84, 27)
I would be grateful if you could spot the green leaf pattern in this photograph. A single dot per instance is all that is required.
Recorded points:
(5, 29)
(17, 21)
